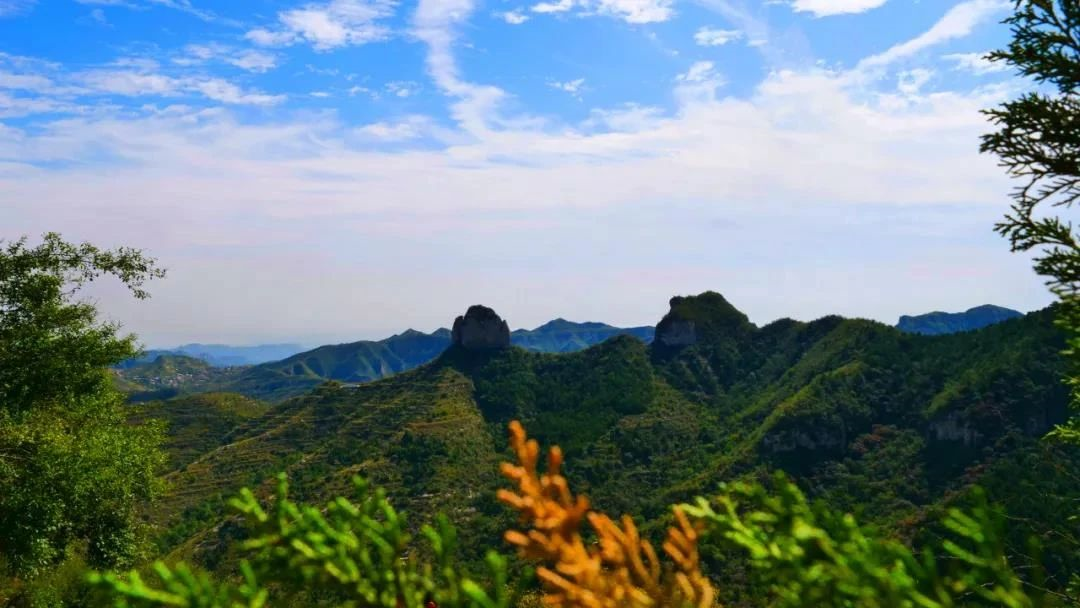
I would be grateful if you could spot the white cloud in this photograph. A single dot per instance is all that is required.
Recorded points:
(26, 82)
(514, 17)
(320, 94)
(329, 25)
(698, 84)
(825, 8)
(637, 11)
(910, 82)
(245, 59)
(411, 127)
(357, 89)
(958, 22)
(976, 63)
(253, 61)
(227, 92)
(435, 23)
(708, 36)
(402, 88)
(559, 6)
(700, 71)
(631, 11)
(129, 82)
(572, 87)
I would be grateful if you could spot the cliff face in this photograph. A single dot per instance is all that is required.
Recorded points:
(480, 328)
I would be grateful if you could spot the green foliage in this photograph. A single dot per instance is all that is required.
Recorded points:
(73, 471)
(346, 554)
(53, 348)
(802, 554)
(1038, 141)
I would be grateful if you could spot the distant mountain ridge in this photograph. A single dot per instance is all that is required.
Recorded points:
(362, 361)
(939, 323)
(222, 355)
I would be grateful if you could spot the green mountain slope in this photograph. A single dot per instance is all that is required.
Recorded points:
(196, 424)
(864, 416)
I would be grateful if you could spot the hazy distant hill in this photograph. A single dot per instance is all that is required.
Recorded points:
(562, 336)
(938, 323)
(222, 355)
(890, 425)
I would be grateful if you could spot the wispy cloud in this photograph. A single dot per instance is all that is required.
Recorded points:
(12, 8)
(402, 88)
(573, 87)
(825, 8)
(328, 25)
(184, 6)
(245, 59)
(976, 63)
(630, 11)
(708, 36)
(958, 22)
(514, 17)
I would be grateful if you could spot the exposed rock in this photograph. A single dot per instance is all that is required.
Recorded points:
(677, 332)
(481, 329)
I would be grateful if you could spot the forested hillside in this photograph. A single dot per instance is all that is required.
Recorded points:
(870, 419)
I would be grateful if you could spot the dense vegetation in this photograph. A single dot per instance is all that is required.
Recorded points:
(73, 472)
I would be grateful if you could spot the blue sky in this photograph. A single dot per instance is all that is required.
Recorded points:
(343, 169)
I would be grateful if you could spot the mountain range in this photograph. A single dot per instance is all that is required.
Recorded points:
(890, 425)
(265, 375)
(176, 372)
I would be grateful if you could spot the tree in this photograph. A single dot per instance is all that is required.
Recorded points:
(73, 472)
(1038, 142)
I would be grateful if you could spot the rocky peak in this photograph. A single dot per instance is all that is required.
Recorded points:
(693, 317)
(481, 329)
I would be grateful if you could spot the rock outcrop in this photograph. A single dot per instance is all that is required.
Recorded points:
(481, 329)
(677, 332)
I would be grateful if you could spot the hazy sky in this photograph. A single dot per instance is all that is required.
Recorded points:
(344, 169)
